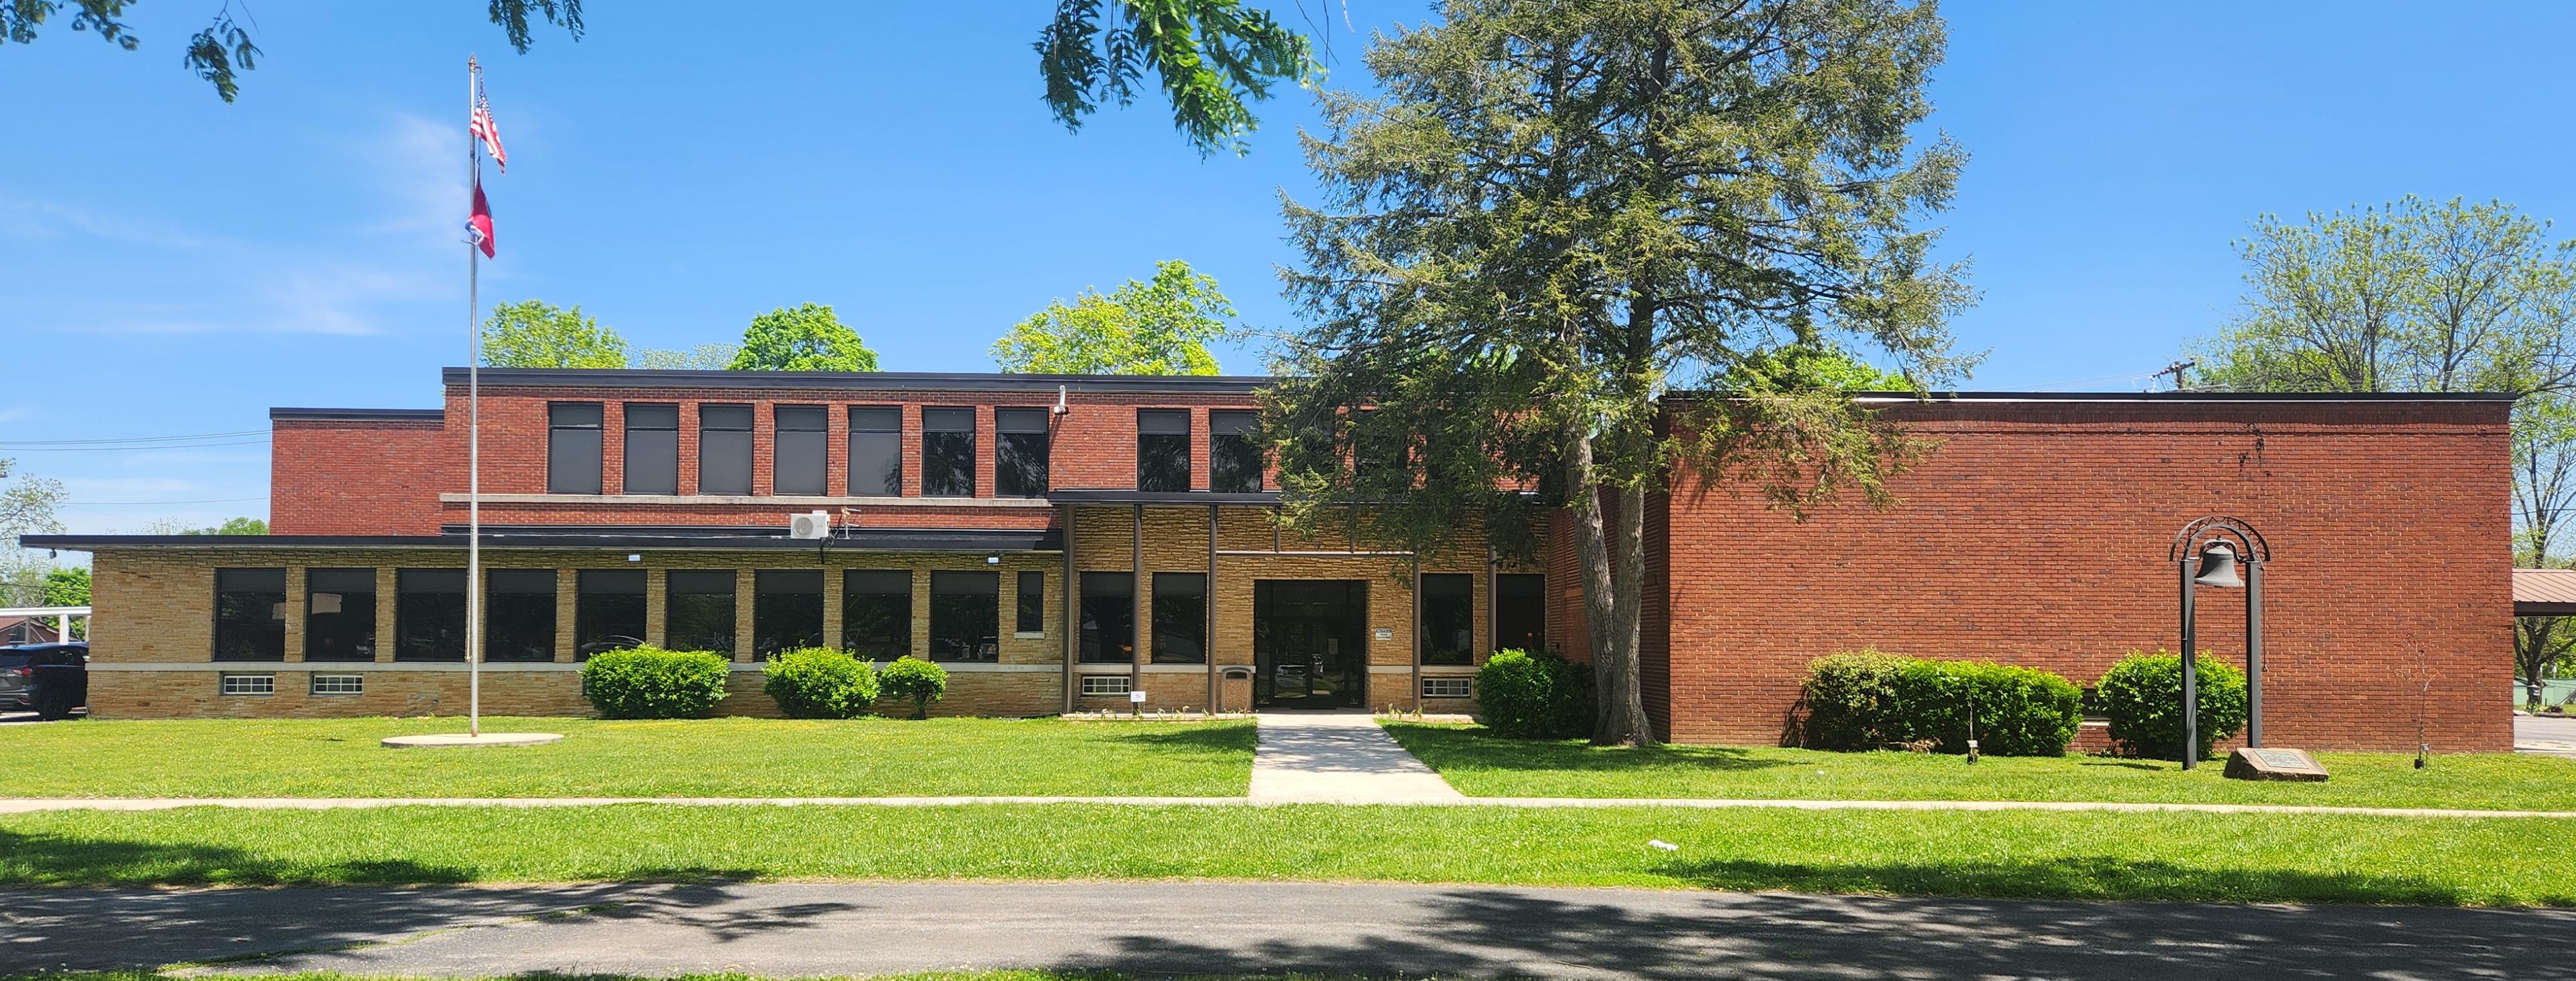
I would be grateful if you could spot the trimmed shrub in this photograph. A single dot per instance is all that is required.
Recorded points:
(1869, 700)
(916, 679)
(1534, 695)
(2143, 696)
(652, 683)
(819, 683)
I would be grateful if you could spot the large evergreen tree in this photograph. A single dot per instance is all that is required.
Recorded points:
(1559, 214)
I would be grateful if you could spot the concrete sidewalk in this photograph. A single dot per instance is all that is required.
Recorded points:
(1323, 929)
(1339, 758)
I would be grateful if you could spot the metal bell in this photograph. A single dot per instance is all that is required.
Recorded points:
(2218, 567)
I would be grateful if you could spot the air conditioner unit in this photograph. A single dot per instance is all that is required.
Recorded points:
(811, 524)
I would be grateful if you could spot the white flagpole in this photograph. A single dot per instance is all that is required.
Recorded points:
(473, 435)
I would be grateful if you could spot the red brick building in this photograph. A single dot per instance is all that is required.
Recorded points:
(1020, 528)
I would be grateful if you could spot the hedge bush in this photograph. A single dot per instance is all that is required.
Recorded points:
(916, 679)
(652, 683)
(1534, 695)
(1868, 700)
(819, 683)
(2143, 696)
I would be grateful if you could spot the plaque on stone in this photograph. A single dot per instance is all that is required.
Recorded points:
(2273, 764)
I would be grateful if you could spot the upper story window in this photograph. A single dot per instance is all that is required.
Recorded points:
(1020, 452)
(1162, 450)
(948, 452)
(652, 448)
(876, 450)
(724, 449)
(798, 463)
(1234, 462)
(572, 448)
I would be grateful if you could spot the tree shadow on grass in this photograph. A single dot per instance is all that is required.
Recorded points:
(1187, 737)
(46, 859)
(1441, 748)
(2077, 878)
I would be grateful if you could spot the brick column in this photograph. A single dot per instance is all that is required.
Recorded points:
(743, 599)
(567, 612)
(832, 584)
(386, 601)
(294, 613)
(657, 606)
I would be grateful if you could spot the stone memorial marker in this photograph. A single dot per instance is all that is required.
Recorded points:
(2274, 764)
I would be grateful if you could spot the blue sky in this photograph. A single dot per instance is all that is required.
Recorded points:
(173, 265)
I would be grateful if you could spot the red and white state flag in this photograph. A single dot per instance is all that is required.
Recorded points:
(480, 223)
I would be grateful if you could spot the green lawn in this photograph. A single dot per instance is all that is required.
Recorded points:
(933, 976)
(2157, 856)
(1483, 765)
(690, 757)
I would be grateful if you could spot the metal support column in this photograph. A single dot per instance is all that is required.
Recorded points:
(1072, 619)
(1207, 604)
(2254, 651)
(2190, 677)
(1137, 626)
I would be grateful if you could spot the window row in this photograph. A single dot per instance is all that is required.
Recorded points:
(1179, 615)
(800, 450)
(701, 611)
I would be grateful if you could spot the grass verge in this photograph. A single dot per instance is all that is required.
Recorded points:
(1483, 765)
(2200, 857)
(684, 757)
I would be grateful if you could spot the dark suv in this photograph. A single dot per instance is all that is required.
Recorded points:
(52, 679)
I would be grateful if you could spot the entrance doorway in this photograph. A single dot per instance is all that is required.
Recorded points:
(1309, 647)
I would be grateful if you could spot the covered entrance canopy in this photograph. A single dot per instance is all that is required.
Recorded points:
(2544, 592)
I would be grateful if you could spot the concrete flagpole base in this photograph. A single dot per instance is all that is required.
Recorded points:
(452, 740)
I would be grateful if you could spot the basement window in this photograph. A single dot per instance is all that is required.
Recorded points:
(1105, 684)
(249, 684)
(337, 684)
(1459, 687)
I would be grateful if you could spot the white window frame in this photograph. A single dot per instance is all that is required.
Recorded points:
(1106, 684)
(1459, 686)
(247, 684)
(338, 685)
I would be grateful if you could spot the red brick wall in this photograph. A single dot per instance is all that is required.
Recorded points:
(359, 478)
(2037, 534)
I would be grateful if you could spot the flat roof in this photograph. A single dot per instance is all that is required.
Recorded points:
(356, 415)
(637, 538)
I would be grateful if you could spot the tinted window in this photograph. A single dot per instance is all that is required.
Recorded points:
(652, 448)
(572, 448)
(699, 611)
(876, 450)
(798, 450)
(1162, 450)
(876, 613)
(339, 614)
(1520, 612)
(1180, 617)
(429, 615)
(1032, 603)
(965, 616)
(948, 452)
(250, 614)
(786, 610)
(608, 610)
(1448, 618)
(1108, 617)
(724, 449)
(1020, 452)
(1234, 461)
(519, 615)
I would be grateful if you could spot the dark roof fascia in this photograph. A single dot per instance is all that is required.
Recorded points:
(871, 381)
(2537, 608)
(356, 415)
(1118, 496)
(2186, 397)
(868, 539)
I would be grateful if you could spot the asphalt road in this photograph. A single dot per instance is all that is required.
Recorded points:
(1251, 928)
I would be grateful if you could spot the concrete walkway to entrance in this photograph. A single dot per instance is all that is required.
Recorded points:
(1339, 758)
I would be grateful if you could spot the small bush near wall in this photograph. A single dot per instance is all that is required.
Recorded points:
(1534, 695)
(819, 683)
(916, 679)
(1871, 700)
(2143, 696)
(652, 683)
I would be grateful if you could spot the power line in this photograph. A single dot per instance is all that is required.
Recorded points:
(35, 443)
(137, 504)
(10, 448)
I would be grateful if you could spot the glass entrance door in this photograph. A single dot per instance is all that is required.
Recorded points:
(1308, 643)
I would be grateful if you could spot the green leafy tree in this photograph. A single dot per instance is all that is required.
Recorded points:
(26, 508)
(68, 586)
(1211, 57)
(537, 334)
(2422, 296)
(231, 526)
(1560, 213)
(807, 338)
(1157, 328)
(704, 357)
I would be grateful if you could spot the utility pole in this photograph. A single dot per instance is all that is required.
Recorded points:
(2176, 369)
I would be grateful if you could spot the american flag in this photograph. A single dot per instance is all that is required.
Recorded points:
(481, 125)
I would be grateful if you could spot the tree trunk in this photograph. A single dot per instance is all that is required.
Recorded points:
(1613, 582)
